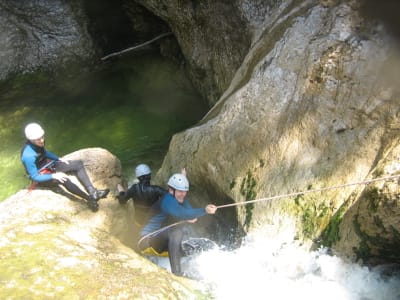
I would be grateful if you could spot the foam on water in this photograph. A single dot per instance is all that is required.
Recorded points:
(276, 269)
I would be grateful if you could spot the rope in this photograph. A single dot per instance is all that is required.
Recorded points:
(309, 191)
(276, 197)
(159, 230)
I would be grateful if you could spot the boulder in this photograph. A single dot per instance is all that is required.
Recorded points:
(53, 246)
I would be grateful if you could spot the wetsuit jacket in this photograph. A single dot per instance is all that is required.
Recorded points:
(33, 158)
(167, 210)
(143, 194)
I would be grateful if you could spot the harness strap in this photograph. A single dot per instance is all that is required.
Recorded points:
(151, 251)
(41, 172)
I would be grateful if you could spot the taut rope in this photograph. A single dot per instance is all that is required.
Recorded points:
(310, 191)
(278, 197)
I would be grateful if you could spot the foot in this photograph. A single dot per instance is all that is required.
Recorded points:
(93, 205)
(99, 194)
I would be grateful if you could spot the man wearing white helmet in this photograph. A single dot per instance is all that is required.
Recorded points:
(171, 208)
(143, 193)
(47, 169)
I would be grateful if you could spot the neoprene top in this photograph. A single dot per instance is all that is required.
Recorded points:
(34, 157)
(169, 208)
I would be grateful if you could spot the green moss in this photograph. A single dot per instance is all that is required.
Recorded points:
(249, 213)
(372, 195)
(248, 190)
(232, 184)
(298, 199)
(308, 220)
(248, 187)
(331, 234)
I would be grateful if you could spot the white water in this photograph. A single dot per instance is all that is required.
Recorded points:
(273, 269)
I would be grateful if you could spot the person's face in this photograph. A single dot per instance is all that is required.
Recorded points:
(38, 142)
(180, 195)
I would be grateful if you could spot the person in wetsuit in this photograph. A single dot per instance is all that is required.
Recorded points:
(46, 169)
(171, 209)
(143, 193)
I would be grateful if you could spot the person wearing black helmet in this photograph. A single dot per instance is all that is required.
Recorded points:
(143, 193)
(172, 209)
(47, 169)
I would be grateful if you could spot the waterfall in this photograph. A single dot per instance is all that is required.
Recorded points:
(281, 268)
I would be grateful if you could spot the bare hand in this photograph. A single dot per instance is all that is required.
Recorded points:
(192, 221)
(60, 177)
(64, 161)
(211, 209)
(183, 172)
(120, 188)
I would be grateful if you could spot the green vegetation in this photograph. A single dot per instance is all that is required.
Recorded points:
(248, 190)
(331, 234)
(120, 108)
(232, 184)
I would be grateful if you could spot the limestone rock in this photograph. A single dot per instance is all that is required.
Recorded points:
(314, 104)
(42, 35)
(53, 247)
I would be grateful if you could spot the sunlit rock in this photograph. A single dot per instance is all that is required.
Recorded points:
(313, 105)
(53, 246)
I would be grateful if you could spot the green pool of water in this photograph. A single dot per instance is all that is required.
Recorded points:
(131, 107)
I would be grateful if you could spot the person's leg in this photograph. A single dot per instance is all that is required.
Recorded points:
(73, 189)
(175, 253)
(77, 167)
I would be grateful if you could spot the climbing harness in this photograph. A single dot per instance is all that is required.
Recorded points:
(157, 232)
(271, 198)
(46, 169)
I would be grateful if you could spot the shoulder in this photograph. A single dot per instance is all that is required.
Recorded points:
(28, 152)
(168, 198)
(158, 188)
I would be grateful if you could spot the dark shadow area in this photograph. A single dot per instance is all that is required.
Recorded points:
(117, 25)
(386, 11)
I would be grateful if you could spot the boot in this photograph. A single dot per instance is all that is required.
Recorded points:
(98, 194)
(93, 205)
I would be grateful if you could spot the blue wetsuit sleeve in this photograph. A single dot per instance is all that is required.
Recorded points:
(51, 155)
(29, 162)
(170, 206)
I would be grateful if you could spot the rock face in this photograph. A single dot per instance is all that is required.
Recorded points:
(41, 35)
(53, 246)
(314, 104)
(213, 36)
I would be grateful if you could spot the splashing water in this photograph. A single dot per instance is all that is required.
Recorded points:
(272, 269)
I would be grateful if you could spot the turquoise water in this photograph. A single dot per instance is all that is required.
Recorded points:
(131, 107)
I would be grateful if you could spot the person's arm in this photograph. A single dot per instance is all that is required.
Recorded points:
(29, 162)
(171, 207)
(124, 196)
(51, 155)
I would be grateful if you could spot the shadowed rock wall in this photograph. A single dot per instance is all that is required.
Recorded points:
(314, 104)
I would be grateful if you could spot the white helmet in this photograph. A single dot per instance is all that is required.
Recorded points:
(142, 170)
(179, 182)
(33, 131)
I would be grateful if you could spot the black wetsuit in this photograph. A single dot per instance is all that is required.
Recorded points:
(144, 195)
